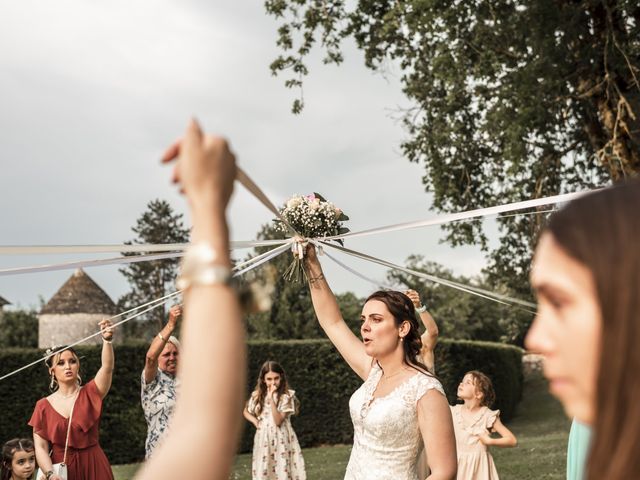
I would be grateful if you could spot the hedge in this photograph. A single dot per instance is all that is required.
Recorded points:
(321, 378)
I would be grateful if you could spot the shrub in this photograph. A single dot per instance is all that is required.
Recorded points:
(323, 381)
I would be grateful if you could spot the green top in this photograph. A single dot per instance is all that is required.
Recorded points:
(577, 450)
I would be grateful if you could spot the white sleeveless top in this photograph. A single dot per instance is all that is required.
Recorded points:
(387, 439)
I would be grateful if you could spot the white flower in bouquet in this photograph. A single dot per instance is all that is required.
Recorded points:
(312, 217)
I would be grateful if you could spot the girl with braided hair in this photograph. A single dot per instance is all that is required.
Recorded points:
(401, 407)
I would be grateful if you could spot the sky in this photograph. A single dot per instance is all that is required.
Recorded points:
(92, 93)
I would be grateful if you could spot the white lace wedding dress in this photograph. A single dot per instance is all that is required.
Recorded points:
(387, 440)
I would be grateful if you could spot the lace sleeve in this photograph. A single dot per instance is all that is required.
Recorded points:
(426, 383)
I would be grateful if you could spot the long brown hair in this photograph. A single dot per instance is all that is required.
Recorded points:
(602, 231)
(8, 450)
(260, 392)
(402, 309)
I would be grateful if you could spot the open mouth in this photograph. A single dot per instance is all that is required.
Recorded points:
(366, 341)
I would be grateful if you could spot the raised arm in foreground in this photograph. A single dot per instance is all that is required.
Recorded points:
(202, 440)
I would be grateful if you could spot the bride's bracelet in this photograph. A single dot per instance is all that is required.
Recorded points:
(313, 280)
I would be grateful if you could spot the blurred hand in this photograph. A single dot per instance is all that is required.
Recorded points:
(175, 312)
(311, 256)
(272, 389)
(486, 439)
(415, 298)
(106, 330)
(205, 168)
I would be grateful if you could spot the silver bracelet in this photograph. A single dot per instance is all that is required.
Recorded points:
(107, 341)
(421, 309)
(199, 267)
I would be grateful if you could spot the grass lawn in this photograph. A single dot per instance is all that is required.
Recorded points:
(540, 426)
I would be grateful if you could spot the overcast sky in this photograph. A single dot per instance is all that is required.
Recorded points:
(92, 92)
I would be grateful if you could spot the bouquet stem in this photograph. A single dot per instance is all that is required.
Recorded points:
(296, 272)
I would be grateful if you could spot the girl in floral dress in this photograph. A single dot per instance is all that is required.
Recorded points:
(276, 451)
(473, 422)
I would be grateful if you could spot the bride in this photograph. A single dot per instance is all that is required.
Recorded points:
(401, 406)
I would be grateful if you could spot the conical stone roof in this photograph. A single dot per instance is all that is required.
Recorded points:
(80, 294)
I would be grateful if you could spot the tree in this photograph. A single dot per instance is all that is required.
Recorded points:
(512, 99)
(19, 328)
(152, 279)
(291, 315)
(461, 315)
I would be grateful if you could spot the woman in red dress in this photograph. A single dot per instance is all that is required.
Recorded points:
(85, 459)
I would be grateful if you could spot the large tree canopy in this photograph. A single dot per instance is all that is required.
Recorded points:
(511, 99)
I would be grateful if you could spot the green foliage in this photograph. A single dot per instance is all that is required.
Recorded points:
(19, 328)
(152, 279)
(512, 99)
(461, 315)
(323, 381)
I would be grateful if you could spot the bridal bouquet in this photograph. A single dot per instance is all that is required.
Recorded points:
(312, 216)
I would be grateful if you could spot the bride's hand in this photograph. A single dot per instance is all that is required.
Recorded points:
(311, 256)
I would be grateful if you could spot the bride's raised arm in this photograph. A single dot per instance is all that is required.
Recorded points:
(330, 317)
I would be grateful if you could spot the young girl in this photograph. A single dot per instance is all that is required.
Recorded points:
(18, 460)
(276, 451)
(473, 421)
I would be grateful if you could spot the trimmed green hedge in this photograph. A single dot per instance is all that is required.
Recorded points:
(323, 381)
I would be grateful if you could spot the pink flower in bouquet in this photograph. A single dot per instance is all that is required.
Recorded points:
(314, 204)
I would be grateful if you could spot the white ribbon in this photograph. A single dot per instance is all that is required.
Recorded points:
(123, 248)
(239, 269)
(480, 292)
(157, 303)
(112, 261)
(265, 257)
(89, 263)
(356, 273)
(453, 217)
(249, 184)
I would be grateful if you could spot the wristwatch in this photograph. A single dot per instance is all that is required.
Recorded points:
(49, 474)
(421, 309)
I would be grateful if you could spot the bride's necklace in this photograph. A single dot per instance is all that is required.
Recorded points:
(387, 377)
(69, 395)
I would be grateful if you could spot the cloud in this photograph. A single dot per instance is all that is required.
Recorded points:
(93, 92)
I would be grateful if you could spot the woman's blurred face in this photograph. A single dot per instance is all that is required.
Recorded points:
(467, 389)
(567, 328)
(66, 367)
(272, 380)
(379, 332)
(168, 359)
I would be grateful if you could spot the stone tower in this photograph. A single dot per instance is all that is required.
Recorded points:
(74, 312)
